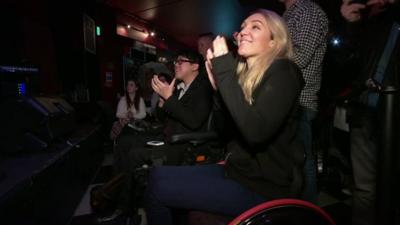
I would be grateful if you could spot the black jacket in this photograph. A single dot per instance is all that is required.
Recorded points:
(191, 112)
(264, 155)
(367, 41)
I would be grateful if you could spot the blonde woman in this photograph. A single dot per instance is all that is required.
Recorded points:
(260, 90)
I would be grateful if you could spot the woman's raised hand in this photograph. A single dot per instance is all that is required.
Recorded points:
(220, 48)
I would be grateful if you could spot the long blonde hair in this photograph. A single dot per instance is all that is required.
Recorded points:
(250, 76)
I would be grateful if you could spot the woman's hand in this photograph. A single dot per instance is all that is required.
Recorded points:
(130, 114)
(219, 48)
(163, 89)
(123, 121)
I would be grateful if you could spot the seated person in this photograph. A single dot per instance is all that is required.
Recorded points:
(184, 109)
(130, 107)
(260, 90)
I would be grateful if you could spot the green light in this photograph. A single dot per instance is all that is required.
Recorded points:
(98, 30)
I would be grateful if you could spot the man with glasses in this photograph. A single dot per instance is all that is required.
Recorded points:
(187, 105)
(184, 107)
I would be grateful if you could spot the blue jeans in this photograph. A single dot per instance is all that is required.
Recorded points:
(310, 190)
(202, 188)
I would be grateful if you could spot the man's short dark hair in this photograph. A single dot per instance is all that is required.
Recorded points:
(191, 55)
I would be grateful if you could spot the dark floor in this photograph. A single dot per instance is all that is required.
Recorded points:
(45, 187)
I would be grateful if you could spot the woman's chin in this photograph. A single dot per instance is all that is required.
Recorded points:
(242, 53)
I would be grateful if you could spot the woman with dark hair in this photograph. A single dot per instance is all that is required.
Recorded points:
(260, 89)
(131, 106)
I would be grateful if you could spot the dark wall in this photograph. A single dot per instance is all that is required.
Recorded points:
(11, 34)
(27, 40)
(49, 34)
(65, 20)
(110, 50)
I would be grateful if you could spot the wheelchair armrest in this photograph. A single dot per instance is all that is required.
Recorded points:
(193, 138)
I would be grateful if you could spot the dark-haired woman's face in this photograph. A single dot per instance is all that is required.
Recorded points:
(131, 87)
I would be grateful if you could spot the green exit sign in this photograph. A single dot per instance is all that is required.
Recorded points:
(98, 30)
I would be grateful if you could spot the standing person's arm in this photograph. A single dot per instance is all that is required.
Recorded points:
(277, 96)
(351, 22)
(353, 25)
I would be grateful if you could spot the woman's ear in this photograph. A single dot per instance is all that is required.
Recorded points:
(272, 43)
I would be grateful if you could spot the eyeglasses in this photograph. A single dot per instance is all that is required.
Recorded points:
(180, 61)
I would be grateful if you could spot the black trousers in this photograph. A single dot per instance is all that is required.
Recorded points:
(131, 153)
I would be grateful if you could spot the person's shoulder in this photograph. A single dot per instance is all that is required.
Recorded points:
(123, 98)
(283, 63)
(316, 8)
(285, 68)
(308, 4)
(311, 7)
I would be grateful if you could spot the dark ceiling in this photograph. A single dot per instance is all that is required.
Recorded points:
(183, 20)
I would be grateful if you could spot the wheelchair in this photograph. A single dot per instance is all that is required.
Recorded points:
(275, 212)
